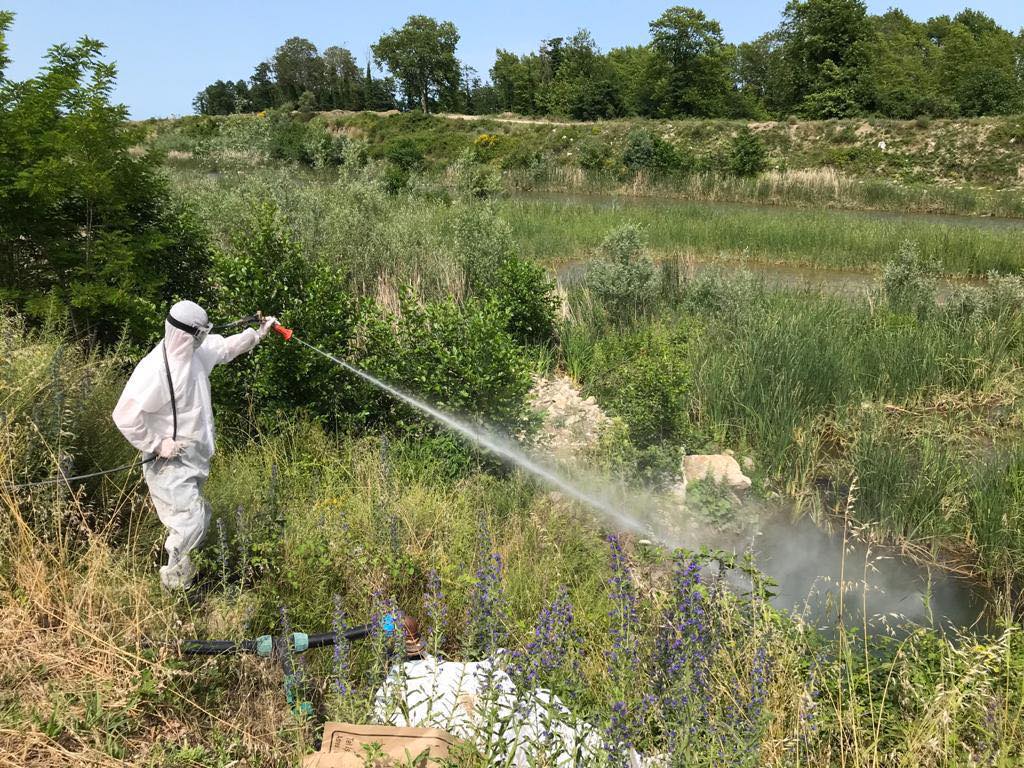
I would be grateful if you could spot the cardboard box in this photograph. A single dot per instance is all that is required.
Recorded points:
(343, 745)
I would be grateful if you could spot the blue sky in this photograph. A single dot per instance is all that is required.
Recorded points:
(167, 51)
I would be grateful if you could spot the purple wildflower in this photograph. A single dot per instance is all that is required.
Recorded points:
(435, 609)
(487, 617)
(554, 638)
(618, 736)
(686, 647)
(624, 608)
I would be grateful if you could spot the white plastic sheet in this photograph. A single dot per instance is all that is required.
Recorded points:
(478, 702)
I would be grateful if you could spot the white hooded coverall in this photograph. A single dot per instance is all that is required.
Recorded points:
(144, 416)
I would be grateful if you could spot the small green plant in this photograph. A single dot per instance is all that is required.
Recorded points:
(647, 151)
(624, 280)
(747, 155)
(909, 281)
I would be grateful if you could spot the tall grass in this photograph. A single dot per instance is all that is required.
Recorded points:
(557, 230)
(651, 653)
(829, 391)
(820, 187)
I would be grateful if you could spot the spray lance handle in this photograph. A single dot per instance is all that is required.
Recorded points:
(285, 332)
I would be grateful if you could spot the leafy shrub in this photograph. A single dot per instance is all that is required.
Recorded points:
(646, 151)
(243, 133)
(460, 358)
(266, 269)
(475, 178)
(521, 156)
(643, 376)
(287, 137)
(487, 146)
(526, 294)
(307, 102)
(404, 153)
(624, 281)
(322, 147)
(909, 281)
(482, 244)
(593, 154)
(747, 155)
(395, 179)
(463, 359)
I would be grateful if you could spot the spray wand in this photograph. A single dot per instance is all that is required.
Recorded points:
(254, 319)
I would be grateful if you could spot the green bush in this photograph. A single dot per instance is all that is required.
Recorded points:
(624, 281)
(266, 269)
(460, 358)
(594, 154)
(482, 245)
(747, 155)
(287, 137)
(526, 294)
(403, 153)
(324, 148)
(642, 375)
(909, 281)
(646, 151)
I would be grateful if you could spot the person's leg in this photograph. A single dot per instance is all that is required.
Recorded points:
(175, 487)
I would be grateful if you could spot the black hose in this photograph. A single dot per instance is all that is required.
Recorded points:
(73, 478)
(225, 647)
(328, 639)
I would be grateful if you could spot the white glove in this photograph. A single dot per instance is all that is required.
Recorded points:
(266, 326)
(170, 449)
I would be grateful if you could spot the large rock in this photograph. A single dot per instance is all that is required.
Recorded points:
(719, 467)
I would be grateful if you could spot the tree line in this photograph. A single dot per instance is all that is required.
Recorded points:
(826, 59)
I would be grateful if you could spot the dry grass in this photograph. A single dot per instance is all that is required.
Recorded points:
(79, 691)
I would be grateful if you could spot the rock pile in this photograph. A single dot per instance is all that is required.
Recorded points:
(571, 424)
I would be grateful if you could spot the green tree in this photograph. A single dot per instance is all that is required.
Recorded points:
(86, 224)
(517, 81)
(747, 155)
(978, 64)
(824, 47)
(901, 78)
(636, 71)
(421, 54)
(695, 78)
(760, 72)
(263, 93)
(584, 85)
(343, 79)
(222, 98)
(298, 68)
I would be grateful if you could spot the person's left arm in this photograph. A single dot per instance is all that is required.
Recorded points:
(224, 349)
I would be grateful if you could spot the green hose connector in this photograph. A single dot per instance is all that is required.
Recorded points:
(300, 642)
(264, 645)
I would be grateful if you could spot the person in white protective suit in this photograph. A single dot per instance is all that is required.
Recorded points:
(165, 412)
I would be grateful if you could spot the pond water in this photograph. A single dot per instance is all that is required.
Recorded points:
(881, 590)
